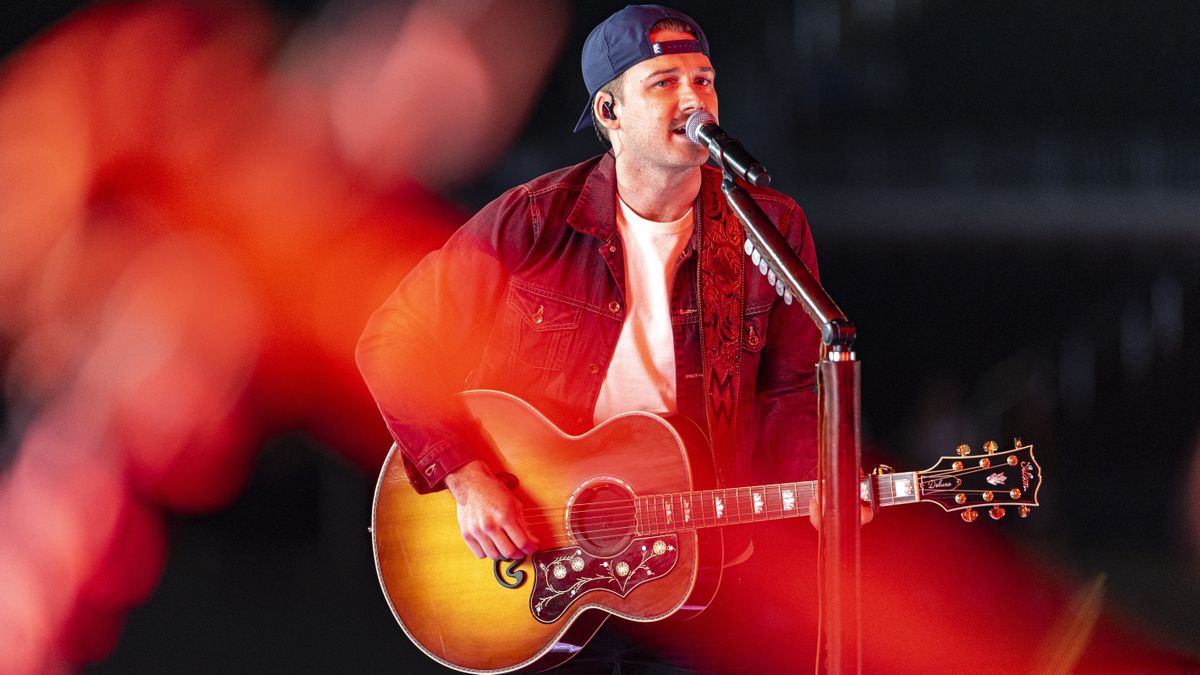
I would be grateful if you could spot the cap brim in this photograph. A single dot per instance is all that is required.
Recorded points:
(585, 120)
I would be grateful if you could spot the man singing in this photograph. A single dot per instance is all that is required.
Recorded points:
(602, 288)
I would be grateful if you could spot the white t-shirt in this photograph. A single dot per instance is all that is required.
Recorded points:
(642, 373)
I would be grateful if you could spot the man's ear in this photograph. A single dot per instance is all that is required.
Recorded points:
(605, 112)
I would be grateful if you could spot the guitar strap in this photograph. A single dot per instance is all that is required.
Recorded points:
(722, 298)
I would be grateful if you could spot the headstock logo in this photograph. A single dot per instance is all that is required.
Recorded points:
(942, 483)
(1026, 474)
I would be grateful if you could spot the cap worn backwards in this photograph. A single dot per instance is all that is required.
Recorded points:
(623, 40)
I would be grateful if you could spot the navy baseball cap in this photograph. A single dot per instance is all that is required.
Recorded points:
(623, 40)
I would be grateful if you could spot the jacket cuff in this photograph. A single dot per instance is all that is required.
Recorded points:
(428, 474)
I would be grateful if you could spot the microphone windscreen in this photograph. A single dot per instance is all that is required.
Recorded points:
(697, 120)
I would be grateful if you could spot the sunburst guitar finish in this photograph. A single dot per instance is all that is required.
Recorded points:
(628, 521)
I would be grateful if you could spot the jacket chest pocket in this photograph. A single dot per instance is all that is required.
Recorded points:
(754, 332)
(539, 329)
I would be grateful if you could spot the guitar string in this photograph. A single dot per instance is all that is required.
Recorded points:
(650, 503)
(651, 513)
(652, 520)
(655, 508)
(630, 526)
(662, 524)
(559, 538)
(655, 517)
(805, 485)
(660, 500)
(633, 528)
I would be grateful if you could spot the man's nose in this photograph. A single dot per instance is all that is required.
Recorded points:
(689, 99)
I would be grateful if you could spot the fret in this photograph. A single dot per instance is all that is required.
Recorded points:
(901, 488)
(789, 498)
(758, 503)
(681, 511)
(774, 503)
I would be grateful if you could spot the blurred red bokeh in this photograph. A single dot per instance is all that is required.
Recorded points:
(200, 212)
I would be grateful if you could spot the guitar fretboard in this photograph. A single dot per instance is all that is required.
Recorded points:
(676, 511)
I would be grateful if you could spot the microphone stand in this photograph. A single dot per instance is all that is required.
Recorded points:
(840, 452)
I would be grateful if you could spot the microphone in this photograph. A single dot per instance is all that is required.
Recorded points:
(702, 129)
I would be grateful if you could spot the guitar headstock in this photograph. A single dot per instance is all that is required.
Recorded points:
(989, 479)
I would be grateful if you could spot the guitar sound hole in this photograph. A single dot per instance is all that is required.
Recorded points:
(603, 519)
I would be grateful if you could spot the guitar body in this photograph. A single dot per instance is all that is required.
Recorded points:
(593, 562)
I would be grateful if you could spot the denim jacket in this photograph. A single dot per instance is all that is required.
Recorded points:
(528, 297)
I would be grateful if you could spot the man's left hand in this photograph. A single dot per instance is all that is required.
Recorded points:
(865, 513)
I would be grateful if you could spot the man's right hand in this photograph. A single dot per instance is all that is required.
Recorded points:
(489, 515)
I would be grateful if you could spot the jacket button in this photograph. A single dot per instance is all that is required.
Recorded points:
(614, 306)
(612, 248)
(593, 368)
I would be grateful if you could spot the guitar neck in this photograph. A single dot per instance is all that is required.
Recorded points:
(675, 511)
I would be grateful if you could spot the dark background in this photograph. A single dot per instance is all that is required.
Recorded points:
(1004, 199)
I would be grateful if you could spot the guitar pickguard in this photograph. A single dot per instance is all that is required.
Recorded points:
(563, 574)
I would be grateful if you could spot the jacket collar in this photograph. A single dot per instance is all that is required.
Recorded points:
(594, 210)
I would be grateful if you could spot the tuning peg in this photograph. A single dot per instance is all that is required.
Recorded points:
(989, 447)
(1012, 460)
(985, 462)
(882, 469)
(964, 450)
(1016, 442)
(1023, 511)
(960, 498)
(1014, 493)
(970, 515)
(996, 512)
(988, 496)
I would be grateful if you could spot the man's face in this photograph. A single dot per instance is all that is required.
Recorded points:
(658, 96)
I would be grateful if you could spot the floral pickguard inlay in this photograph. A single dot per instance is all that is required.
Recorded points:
(563, 574)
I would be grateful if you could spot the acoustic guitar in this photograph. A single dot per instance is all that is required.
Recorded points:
(628, 519)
